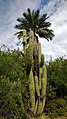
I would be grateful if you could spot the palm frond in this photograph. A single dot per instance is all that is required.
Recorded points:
(43, 19)
(30, 16)
(36, 15)
(19, 34)
(18, 26)
(45, 25)
(26, 16)
(46, 33)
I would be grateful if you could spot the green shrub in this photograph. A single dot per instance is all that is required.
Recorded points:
(12, 65)
(57, 107)
(11, 100)
(56, 99)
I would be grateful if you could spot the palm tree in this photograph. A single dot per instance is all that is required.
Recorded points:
(38, 24)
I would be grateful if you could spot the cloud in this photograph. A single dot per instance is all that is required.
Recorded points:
(10, 11)
(58, 17)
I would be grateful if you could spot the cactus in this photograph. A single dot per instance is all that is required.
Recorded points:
(37, 75)
(43, 84)
(40, 75)
(29, 53)
(39, 53)
(37, 86)
(41, 106)
(35, 109)
(42, 59)
(32, 90)
(24, 41)
(39, 111)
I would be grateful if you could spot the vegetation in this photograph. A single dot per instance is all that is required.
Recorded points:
(56, 103)
(13, 88)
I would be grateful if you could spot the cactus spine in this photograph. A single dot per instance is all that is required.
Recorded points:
(37, 75)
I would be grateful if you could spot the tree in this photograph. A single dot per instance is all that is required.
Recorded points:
(38, 24)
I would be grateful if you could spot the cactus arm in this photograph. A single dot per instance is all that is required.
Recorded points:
(39, 52)
(40, 104)
(24, 40)
(37, 86)
(42, 59)
(32, 90)
(29, 57)
(40, 74)
(44, 80)
(35, 109)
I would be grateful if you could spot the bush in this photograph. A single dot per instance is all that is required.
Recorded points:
(12, 64)
(11, 100)
(57, 107)
(56, 98)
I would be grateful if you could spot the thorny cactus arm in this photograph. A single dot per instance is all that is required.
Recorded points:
(42, 59)
(32, 90)
(44, 81)
(36, 106)
(40, 76)
(37, 86)
(39, 53)
(29, 57)
(24, 41)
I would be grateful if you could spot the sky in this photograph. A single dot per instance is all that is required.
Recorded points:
(10, 10)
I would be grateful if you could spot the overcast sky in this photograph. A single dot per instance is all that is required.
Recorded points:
(10, 10)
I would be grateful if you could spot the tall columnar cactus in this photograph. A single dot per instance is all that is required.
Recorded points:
(37, 80)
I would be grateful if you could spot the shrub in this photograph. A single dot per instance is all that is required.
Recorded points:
(11, 100)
